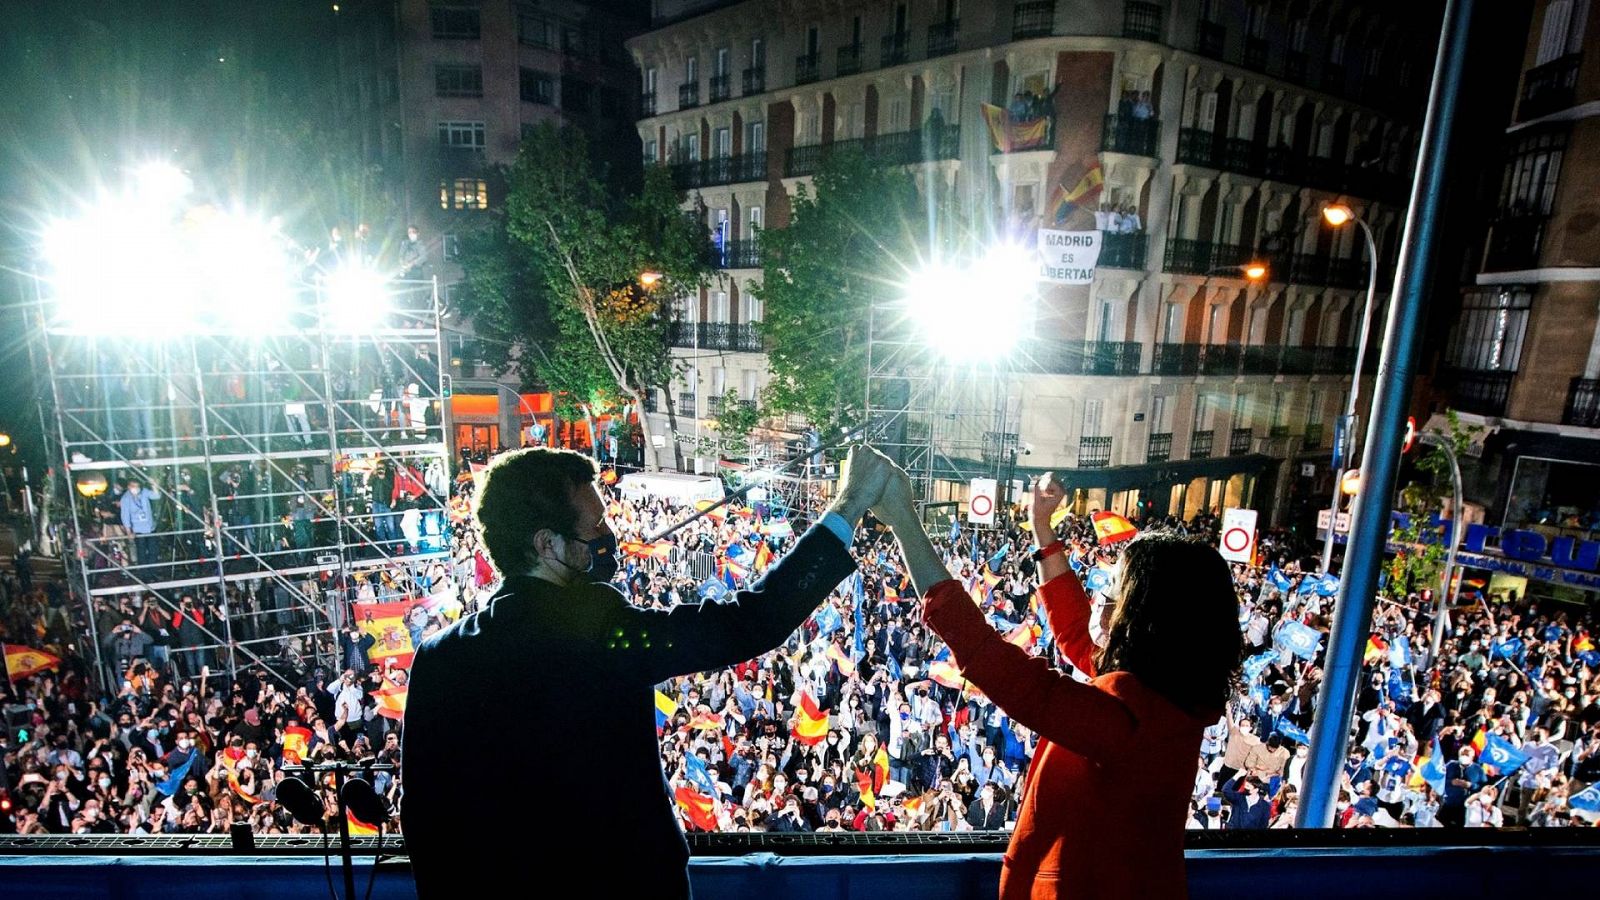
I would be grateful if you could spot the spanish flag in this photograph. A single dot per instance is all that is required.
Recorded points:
(246, 796)
(1110, 528)
(811, 723)
(911, 805)
(847, 667)
(386, 622)
(666, 708)
(946, 673)
(869, 797)
(391, 701)
(705, 721)
(359, 828)
(1479, 740)
(1023, 636)
(699, 809)
(296, 741)
(1583, 644)
(880, 770)
(1377, 650)
(1009, 136)
(1063, 201)
(661, 550)
(24, 661)
(979, 593)
(763, 557)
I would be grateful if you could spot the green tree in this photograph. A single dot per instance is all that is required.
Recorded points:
(558, 277)
(849, 242)
(1421, 546)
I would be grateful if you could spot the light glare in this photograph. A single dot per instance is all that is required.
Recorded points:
(975, 313)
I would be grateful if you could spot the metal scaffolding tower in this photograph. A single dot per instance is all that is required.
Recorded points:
(277, 472)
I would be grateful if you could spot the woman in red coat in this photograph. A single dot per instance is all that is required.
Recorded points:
(1102, 813)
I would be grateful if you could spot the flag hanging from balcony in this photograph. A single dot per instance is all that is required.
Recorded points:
(1010, 134)
(1081, 196)
(1068, 257)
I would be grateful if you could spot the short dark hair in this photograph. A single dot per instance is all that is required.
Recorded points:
(523, 492)
(1175, 626)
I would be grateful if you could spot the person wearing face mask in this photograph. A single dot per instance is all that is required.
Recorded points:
(1462, 777)
(556, 630)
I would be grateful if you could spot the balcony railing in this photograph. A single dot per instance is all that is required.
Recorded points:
(1347, 273)
(1126, 134)
(1294, 66)
(807, 68)
(1297, 361)
(849, 60)
(688, 95)
(1123, 249)
(737, 254)
(895, 49)
(1244, 156)
(1334, 360)
(1278, 432)
(1583, 403)
(1239, 441)
(723, 170)
(742, 337)
(1308, 268)
(1211, 39)
(715, 404)
(647, 105)
(720, 87)
(1035, 18)
(898, 148)
(1200, 444)
(1141, 21)
(651, 403)
(1481, 392)
(1087, 357)
(1313, 436)
(1176, 359)
(1549, 88)
(1255, 53)
(1159, 447)
(1514, 243)
(1220, 359)
(687, 404)
(1197, 147)
(753, 81)
(1283, 164)
(1094, 452)
(1321, 172)
(942, 37)
(1203, 257)
(1333, 79)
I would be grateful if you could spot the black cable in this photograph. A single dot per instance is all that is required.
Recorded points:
(327, 867)
(376, 855)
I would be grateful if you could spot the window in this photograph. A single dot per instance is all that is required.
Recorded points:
(1169, 330)
(1205, 412)
(899, 115)
(750, 307)
(650, 81)
(464, 193)
(691, 148)
(1255, 23)
(1158, 415)
(1529, 184)
(722, 143)
(720, 63)
(758, 53)
(1298, 29)
(719, 225)
(1488, 336)
(535, 31)
(573, 41)
(454, 22)
(813, 40)
(1093, 418)
(1336, 49)
(650, 151)
(577, 95)
(755, 137)
(755, 220)
(1279, 408)
(1206, 118)
(691, 70)
(719, 308)
(450, 246)
(1562, 32)
(1107, 312)
(1241, 411)
(809, 129)
(463, 135)
(450, 80)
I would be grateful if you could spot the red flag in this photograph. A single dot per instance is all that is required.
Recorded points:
(24, 661)
(811, 723)
(1111, 528)
(700, 809)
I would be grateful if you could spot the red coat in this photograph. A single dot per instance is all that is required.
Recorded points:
(1103, 811)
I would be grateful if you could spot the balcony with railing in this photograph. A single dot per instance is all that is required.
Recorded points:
(898, 148)
(1244, 156)
(1176, 359)
(1583, 403)
(1220, 359)
(1514, 242)
(1308, 268)
(1282, 164)
(1197, 147)
(1141, 21)
(1239, 441)
(1294, 66)
(1313, 436)
(753, 80)
(1297, 360)
(894, 49)
(686, 404)
(722, 170)
(1475, 391)
(1123, 249)
(1185, 257)
(1094, 452)
(849, 59)
(1549, 88)
(807, 68)
(1255, 53)
(689, 95)
(721, 87)
(942, 37)
(737, 254)
(1127, 134)
(1321, 172)
(1347, 273)
(647, 105)
(716, 404)
(1159, 447)
(1200, 444)
(1210, 39)
(1334, 360)
(1033, 18)
(1087, 357)
(1333, 77)
(1278, 432)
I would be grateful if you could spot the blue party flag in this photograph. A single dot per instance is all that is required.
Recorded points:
(1278, 579)
(694, 769)
(1506, 649)
(1301, 640)
(1586, 800)
(1255, 665)
(1327, 586)
(828, 620)
(1498, 752)
(1292, 731)
(1400, 652)
(1098, 579)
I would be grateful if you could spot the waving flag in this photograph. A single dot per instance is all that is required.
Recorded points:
(1278, 579)
(1063, 201)
(1011, 135)
(828, 620)
(869, 798)
(1586, 801)
(1301, 640)
(1397, 765)
(955, 531)
(359, 828)
(666, 708)
(1292, 731)
(1400, 652)
(1308, 586)
(1327, 585)
(694, 769)
(1255, 665)
(705, 720)
(386, 622)
(296, 741)
(998, 559)
(811, 723)
(1506, 649)
(1499, 752)
(1098, 579)
(1430, 769)
(763, 557)
(698, 808)
(1110, 528)
(880, 769)
(391, 701)
(778, 529)
(1480, 741)
(945, 672)
(176, 775)
(1376, 649)
(846, 666)
(661, 550)
(239, 790)
(24, 661)
(1023, 636)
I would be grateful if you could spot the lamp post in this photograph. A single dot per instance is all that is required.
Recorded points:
(1336, 215)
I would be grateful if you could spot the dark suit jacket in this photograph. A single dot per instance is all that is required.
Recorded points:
(530, 733)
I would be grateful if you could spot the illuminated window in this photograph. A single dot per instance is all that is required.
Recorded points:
(464, 193)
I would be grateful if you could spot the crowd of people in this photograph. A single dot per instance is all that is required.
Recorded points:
(860, 722)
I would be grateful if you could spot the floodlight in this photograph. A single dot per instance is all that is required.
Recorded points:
(976, 313)
(160, 184)
(357, 299)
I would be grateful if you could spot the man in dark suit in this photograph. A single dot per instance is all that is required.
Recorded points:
(557, 656)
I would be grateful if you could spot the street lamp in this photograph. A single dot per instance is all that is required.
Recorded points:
(1337, 215)
(5, 440)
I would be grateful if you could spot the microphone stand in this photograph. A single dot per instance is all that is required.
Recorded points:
(341, 770)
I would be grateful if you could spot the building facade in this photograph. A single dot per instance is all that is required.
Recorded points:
(1523, 358)
(1221, 130)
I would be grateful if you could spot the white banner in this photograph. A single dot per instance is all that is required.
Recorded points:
(1068, 257)
(1238, 542)
(981, 501)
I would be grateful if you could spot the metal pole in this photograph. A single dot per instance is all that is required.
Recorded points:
(1447, 590)
(1355, 394)
(1369, 529)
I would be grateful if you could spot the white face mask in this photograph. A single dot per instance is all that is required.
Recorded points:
(251, 753)
(185, 743)
(105, 784)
